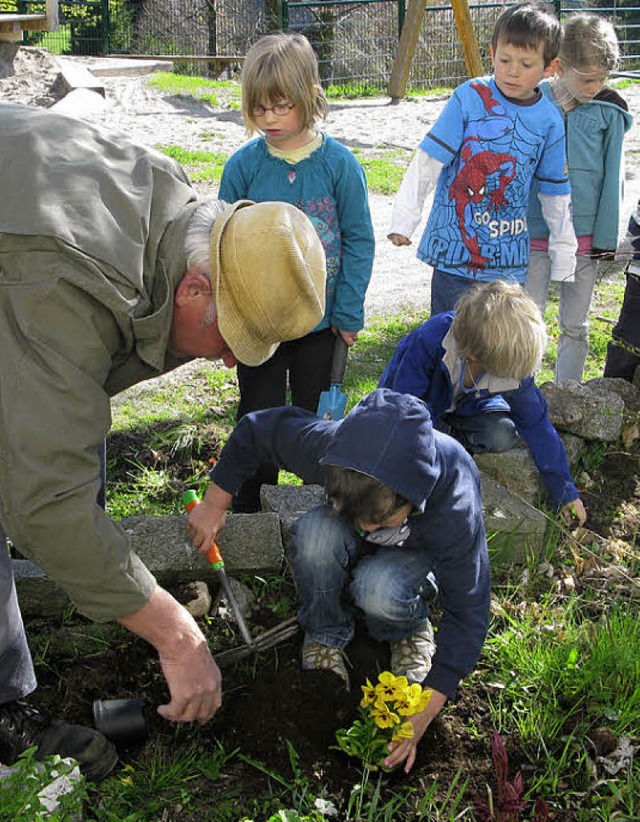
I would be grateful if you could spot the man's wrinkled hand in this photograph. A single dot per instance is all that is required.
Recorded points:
(195, 685)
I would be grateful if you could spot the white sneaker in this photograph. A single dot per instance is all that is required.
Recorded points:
(319, 657)
(411, 657)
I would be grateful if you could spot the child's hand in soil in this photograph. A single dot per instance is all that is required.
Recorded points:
(405, 750)
(576, 509)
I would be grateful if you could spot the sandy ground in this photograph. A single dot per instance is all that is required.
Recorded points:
(399, 279)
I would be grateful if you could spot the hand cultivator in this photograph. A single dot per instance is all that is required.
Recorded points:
(268, 639)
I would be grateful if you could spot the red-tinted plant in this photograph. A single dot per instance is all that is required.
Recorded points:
(509, 801)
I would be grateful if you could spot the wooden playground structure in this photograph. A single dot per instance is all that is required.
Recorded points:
(409, 38)
(12, 25)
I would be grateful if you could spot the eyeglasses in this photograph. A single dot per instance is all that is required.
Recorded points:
(280, 109)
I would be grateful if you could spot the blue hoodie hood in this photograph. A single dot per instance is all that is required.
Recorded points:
(379, 437)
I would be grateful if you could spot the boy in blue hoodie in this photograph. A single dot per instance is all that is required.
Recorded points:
(403, 522)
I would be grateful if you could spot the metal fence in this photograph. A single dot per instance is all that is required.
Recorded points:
(356, 42)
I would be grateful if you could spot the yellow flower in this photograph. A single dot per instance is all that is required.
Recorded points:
(389, 687)
(413, 700)
(383, 716)
(405, 731)
(423, 700)
(368, 695)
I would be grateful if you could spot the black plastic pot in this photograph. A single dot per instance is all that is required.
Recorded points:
(123, 721)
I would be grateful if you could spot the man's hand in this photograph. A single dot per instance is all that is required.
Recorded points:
(576, 509)
(399, 239)
(406, 749)
(195, 684)
(194, 680)
(206, 521)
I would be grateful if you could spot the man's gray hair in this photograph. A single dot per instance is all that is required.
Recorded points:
(197, 241)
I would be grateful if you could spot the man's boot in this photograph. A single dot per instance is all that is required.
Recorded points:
(23, 727)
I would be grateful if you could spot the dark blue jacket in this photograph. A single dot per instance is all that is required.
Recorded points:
(390, 437)
(417, 368)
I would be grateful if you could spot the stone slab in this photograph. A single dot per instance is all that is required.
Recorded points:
(37, 594)
(121, 67)
(251, 543)
(75, 75)
(515, 528)
(515, 469)
(289, 502)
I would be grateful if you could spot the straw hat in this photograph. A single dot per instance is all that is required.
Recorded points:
(268, 276)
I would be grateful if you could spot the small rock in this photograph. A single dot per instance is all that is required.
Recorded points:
(195, 597)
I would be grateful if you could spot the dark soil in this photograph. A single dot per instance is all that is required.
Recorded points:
(270, 702)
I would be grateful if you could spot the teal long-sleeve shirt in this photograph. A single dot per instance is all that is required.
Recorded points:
(329, 186)
(594, 136)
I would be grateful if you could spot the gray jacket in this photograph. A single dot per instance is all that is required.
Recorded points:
(91, 250)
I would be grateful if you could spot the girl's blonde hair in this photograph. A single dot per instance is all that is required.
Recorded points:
(502, 327)
(589, 40)
(282, 67)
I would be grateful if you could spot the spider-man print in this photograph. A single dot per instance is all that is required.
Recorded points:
(470, 187)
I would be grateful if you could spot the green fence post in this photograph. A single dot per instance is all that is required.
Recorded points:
(106, 28)
(402, 10)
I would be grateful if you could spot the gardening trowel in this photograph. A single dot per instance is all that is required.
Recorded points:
(267, 639)
(333, 402)
(190, 500)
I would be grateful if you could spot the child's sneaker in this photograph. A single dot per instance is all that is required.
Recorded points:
(318, 657)
(411, 657)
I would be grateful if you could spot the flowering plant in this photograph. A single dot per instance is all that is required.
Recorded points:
(384, 712)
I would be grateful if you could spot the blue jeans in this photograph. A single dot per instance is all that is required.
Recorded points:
(492, 432)
(446, 289)
(573, 313)
(338, 573)
(17, 677)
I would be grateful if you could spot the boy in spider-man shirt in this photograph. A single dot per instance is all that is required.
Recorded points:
(494, 136)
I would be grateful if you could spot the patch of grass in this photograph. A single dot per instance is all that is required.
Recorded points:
(202, 166)
(555, 670)
(375, 347)
(351, 91)
(429, 92)
(213, 92)
(164, 781)
(623, 83)
(21, 790)
(385, 169)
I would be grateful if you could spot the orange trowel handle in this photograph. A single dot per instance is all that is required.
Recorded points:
(213, 554)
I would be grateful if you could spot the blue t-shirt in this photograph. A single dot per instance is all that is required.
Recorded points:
(492, 149)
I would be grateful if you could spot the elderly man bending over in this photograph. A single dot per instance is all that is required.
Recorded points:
(112, 272)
